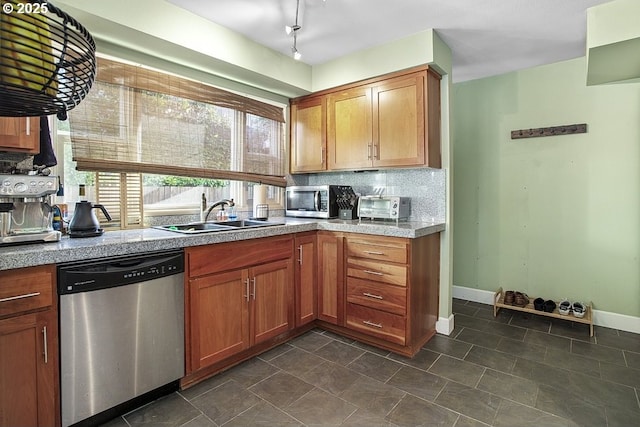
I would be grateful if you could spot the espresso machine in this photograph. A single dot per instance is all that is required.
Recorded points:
(26, 213)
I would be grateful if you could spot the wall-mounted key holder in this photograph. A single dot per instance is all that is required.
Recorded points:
(549, 131)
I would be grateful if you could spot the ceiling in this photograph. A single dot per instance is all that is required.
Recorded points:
(487, 37)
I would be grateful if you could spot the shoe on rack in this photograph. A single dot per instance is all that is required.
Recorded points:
(565, 307)
(549, 306)
(520, 299)
(579, 310)
(508, 297)
(538, 304)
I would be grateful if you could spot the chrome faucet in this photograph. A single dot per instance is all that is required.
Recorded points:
(228, 202)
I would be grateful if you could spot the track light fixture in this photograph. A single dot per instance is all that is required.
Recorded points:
(293, 29)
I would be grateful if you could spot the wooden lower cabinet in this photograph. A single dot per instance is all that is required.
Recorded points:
(305, 280)
(219, 315)
(331, 277)
(232, 310)
(392, 289)
(246, 297)
(29, 373)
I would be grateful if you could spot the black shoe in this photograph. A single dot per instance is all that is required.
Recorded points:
(538, 304)
(549, 306)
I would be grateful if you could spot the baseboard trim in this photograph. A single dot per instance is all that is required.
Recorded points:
(606, 319)
(445, 325)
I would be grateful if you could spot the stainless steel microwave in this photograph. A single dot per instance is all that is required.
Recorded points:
(312, 201)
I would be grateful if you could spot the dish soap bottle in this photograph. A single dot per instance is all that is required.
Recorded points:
(222, 214)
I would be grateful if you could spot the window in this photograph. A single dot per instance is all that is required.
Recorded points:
(157, 142)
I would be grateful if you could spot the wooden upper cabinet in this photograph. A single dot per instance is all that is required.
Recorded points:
(20, 134)
(399, 122)
(386, 122)
(349, 129)
(308, 136)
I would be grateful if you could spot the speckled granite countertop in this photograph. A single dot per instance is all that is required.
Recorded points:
(115, 243)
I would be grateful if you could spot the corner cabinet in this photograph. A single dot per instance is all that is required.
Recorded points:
(29, 375)
(390, 121)
(21, 134)
(330, 277)
(240, 294)
(308, 136)
(305, 278)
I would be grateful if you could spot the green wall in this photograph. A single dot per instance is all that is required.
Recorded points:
(556, 217)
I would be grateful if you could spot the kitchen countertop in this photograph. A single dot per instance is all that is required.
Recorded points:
(125, 242)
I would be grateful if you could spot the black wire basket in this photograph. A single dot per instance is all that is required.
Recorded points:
(47, 60)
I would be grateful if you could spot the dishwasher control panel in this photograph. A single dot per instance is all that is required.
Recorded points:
(108, 273)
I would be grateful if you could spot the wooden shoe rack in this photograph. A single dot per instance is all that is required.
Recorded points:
(498, 303)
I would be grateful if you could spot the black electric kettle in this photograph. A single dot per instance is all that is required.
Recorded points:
(84, 222)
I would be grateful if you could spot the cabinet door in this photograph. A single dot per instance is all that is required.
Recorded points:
(219, 316)
(20, 134)
(349, 129)
(308, 135)
(330, 278)
(399, 122)
(305, 279)
(28, 370)
(272, 299)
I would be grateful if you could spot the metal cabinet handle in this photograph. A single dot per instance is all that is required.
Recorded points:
(246, 283)
(373, 253)
(369, 295)
(300, 254)
(254, 288)
(368, 151)
(28, 126)
(375, 325)
(376, 151)
(44, 338)
(322, 155)
(34, 294)
(377, 273)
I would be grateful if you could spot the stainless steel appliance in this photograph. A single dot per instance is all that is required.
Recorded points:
(312, 201)
(384, 207)
(121, 334)
(25, 209)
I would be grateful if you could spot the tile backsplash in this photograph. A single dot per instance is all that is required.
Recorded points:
(425, 187)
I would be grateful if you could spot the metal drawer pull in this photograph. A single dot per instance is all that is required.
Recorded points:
(373, 253)
(377, 273)
(254, 288)
(44, 338)
(246, 283)
(375, 325)
(300, 254)
(34, 294)
(367, 294)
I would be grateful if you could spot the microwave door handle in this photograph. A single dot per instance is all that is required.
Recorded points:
(317, 201)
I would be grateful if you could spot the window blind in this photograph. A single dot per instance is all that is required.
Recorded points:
(121, 195)
(136, 120)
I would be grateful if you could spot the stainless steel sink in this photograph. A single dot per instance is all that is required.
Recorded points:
(210, 227)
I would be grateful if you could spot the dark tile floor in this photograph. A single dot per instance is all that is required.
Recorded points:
(513, 370)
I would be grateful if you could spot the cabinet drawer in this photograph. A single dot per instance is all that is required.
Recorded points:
(390, 327)
(25, 290)
(203, 260)
(391, 251)
(377, 271)
(376, 295)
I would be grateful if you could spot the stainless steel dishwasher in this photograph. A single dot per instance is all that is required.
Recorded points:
(121, 333)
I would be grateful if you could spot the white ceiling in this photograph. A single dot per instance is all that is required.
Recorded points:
(487, 37)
